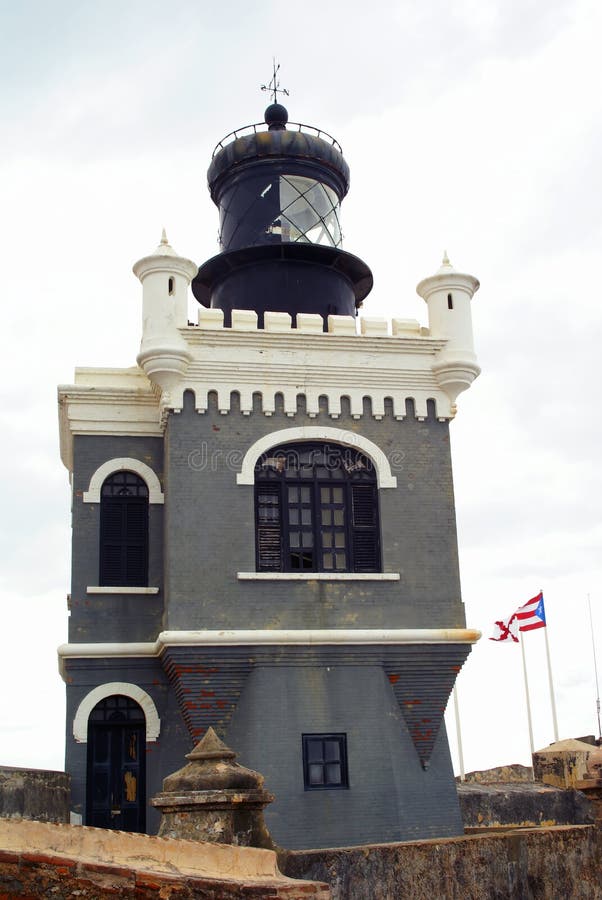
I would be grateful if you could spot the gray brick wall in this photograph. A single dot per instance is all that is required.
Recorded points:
(390, 796)
(209, 524)
(110, 617)
(205, 534)
(163, 756)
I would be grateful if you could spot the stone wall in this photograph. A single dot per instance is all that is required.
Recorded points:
(521, 805)
(499, 774)
(534, 864)
(65, 862)
(34, 794)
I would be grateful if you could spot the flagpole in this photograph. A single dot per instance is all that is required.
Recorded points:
(591, 625)
(459, 736)
(551, 682)
(522, 647)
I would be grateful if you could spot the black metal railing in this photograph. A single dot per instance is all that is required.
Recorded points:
(262, 126)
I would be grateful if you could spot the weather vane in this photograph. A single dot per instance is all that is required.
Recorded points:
(274, 85)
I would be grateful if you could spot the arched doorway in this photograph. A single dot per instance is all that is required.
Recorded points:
(116, 777)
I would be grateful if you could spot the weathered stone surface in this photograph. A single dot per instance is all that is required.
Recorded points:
(500, 774)
(26, 878)
(561, 863)
(213, 798)
(594, 763)
(521, 805)
(562, 763)
(592, 791)
(61, 861)
(34, 794)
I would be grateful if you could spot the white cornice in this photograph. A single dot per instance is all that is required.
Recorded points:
(268, 638)
(318, 636)
(418, 344)
(107, 401)
(373, 365)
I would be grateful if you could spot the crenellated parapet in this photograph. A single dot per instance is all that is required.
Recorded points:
(379, 365)
(370, 366)
(366, 367)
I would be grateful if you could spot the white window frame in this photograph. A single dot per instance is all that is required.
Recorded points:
(317, 433)
(120, 464)
(80, 722)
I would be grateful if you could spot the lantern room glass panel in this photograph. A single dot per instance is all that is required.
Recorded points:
(286, 209)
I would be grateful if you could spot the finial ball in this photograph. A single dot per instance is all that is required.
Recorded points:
(276, 116)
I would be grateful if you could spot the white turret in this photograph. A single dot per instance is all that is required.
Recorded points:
(448, 295)
(165, 278)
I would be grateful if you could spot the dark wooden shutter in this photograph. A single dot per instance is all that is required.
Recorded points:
(268, 503)
(124, 541)
(136, 536)
(364, 528)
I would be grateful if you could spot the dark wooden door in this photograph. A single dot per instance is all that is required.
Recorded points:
(116, 776)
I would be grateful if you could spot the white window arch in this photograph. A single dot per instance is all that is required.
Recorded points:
(80, 722)
(317, 433)
(155, 494)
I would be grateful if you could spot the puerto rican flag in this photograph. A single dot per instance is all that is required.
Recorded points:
(532, 614)
(526, 618)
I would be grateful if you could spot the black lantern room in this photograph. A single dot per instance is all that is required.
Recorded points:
(279, 191)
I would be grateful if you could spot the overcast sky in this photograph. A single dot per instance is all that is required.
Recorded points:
(473, 127)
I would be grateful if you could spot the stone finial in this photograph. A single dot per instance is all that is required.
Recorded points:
(445, 267)
(212, 767)
(164, 248)
(211, 747)
(213, 798)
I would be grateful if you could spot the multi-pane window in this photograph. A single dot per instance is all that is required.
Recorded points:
(309, 212)
(316, 510)
(325, 761)
(117, 708)
(124, 531)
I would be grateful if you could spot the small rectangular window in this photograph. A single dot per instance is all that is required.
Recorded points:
(325, 761)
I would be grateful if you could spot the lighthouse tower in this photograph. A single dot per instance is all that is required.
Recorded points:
(263, 521)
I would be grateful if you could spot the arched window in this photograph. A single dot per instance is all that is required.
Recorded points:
(124, 530)
(316, 510)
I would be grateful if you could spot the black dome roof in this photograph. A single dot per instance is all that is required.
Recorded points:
(279, 142)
